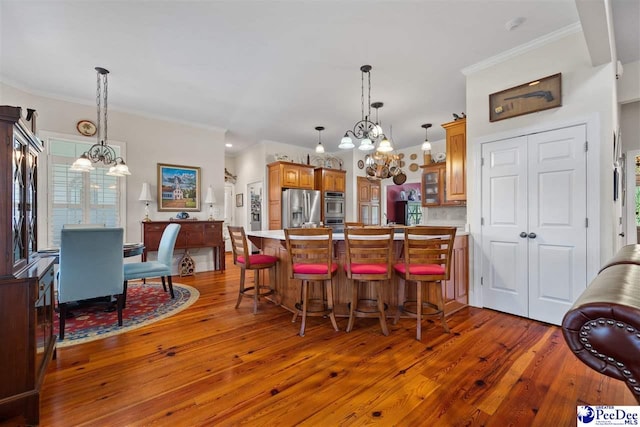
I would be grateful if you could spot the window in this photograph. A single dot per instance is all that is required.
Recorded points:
(77, 197)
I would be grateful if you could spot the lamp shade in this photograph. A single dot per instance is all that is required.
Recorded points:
(145, 194)
(210, 198)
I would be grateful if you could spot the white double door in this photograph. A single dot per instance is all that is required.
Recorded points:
(534, 223)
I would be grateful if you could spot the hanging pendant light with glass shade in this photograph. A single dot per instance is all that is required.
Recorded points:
(426, 145)
(319, 147)
(101, 151)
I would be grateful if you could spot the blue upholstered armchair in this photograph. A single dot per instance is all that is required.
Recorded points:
(160, 268)
(91, 266)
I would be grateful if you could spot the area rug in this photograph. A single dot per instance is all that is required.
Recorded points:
(146, 304)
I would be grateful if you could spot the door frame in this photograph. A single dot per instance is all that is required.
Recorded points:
(629, 212)
(474, 209)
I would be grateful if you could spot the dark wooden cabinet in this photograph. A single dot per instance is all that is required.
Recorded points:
(192, 235)
(26, 280)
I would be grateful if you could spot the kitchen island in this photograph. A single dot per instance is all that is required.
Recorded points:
(455, 290)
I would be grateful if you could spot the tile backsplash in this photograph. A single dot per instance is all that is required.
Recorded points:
(445, 215)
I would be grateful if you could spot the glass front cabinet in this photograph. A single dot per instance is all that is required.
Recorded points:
(26, 280)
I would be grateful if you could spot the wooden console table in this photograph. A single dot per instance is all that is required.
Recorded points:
(192, 235)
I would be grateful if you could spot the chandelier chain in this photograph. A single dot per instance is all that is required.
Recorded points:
(106, 110)
(98, 96)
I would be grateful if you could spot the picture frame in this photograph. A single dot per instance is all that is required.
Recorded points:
(239, 200)
(179, 188)
(531, 97)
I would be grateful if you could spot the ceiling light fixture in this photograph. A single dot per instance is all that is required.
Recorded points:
(101, 151)
(319, 147)
(365, 130)
(426, 145)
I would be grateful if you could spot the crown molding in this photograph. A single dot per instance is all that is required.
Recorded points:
(523, 48)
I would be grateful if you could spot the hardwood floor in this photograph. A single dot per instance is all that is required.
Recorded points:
(214, 365)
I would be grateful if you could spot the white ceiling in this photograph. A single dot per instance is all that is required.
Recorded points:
(271, 70)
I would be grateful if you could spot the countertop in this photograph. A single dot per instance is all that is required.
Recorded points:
(279, 234)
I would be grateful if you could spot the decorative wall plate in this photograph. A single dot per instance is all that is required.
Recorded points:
(413, 167)
(439, 157)
(413, 156)
(86, 127)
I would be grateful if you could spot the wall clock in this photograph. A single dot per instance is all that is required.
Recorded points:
(360, 164)
(86, 128)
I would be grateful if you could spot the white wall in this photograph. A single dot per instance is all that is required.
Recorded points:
(629, 83)
(586, 91)
(630, 126)
(148, 141)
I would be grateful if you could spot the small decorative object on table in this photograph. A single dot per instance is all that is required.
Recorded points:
(182, 215)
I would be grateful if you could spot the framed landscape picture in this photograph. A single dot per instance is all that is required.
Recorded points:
(178, 188)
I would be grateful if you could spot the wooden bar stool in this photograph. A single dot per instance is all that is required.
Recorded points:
(368, 259)
(242, 258)
(311, 259)
(427, 259)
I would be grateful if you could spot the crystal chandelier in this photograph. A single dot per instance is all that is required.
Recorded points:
(365, 130)
(101, 151)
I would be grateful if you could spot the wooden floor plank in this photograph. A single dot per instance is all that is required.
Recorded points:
(216, 365)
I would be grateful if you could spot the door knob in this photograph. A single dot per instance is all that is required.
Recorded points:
(532, 235)
(523, 235)
(621, 234)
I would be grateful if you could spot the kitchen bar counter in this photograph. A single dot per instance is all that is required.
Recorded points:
(272, 242)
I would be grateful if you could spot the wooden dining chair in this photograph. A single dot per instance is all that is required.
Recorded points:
(427, 261)
(353, 224)
(91, 266)
(243, 258)
(311, 261)
(368, 259)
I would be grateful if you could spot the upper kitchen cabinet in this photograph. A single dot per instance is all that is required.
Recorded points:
(455, 172)
(293, 175)
(285, 175)
(434, 191)
(330, 179)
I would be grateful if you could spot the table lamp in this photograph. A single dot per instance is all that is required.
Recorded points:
(210, 199)
(145, 196)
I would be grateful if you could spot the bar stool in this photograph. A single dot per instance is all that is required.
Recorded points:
(243, 259)
(311, 260)
(427, 259)
(368, 259)
(353, 224)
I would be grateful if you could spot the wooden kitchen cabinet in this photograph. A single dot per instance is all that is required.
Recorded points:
(434, 188)
(455, 291)
(368, 201)
(330, 180)
(285, 175)
(456, 161)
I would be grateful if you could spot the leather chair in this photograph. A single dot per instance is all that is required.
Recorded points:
(91, 266)
(311, 260)
(243, 258)
(159, 268)
(602, 328)
(369, 254)
(427, 260)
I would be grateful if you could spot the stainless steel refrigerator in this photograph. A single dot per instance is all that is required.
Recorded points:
(300, 207)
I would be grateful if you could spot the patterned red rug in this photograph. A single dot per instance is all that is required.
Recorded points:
(146, 303)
